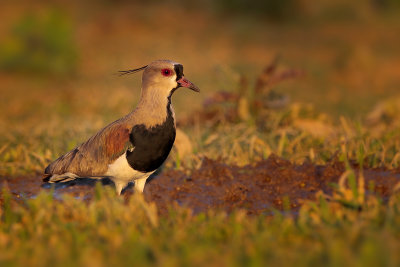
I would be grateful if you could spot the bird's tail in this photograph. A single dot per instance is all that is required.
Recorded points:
(59, 178)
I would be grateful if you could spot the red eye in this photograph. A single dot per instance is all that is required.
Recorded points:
(166, 72)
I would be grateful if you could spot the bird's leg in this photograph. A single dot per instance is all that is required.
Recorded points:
(119, 186)
(139, 184)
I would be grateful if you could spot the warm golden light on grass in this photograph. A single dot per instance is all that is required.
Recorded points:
(318, 86)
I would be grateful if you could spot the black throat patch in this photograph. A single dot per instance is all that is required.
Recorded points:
(179, 74)
(151, 145)
(179, 71)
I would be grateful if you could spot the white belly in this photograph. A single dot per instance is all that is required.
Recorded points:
(121, 170)
(121, 173)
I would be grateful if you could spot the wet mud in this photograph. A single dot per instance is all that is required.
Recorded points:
(272, 183)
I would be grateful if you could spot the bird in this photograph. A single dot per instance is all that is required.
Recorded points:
(133, 147)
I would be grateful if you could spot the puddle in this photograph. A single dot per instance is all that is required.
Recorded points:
(267, 184)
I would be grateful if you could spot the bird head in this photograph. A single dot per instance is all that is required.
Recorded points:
(165, 76)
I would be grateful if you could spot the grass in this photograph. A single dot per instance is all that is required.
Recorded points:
(108, 231)
(289, 135)
(343, 106)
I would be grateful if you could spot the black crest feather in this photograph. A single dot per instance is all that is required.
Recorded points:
(124, 72)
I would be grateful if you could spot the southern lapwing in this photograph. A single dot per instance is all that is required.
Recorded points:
(133, 147)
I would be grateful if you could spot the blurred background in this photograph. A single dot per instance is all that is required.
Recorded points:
(58, 59)
(61, 56)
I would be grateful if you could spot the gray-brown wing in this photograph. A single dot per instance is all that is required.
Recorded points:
(92, 157)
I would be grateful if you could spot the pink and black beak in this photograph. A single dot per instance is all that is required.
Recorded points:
(182, 81)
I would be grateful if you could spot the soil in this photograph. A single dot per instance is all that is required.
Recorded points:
(258, 188)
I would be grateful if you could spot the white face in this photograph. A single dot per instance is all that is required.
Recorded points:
(168, 76)
(161, 76)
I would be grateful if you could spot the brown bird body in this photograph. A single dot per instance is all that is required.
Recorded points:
(133, 147)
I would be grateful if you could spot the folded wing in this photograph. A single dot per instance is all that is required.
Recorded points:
(93, 157)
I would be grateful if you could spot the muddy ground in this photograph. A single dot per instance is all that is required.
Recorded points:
(256, 188)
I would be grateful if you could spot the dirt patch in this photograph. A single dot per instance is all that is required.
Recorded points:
(268, 184)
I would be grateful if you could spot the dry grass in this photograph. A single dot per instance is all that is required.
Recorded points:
(107, 231)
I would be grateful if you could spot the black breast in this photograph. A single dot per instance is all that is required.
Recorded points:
(151, 145)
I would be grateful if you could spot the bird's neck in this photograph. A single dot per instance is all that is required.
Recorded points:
(154, 109)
